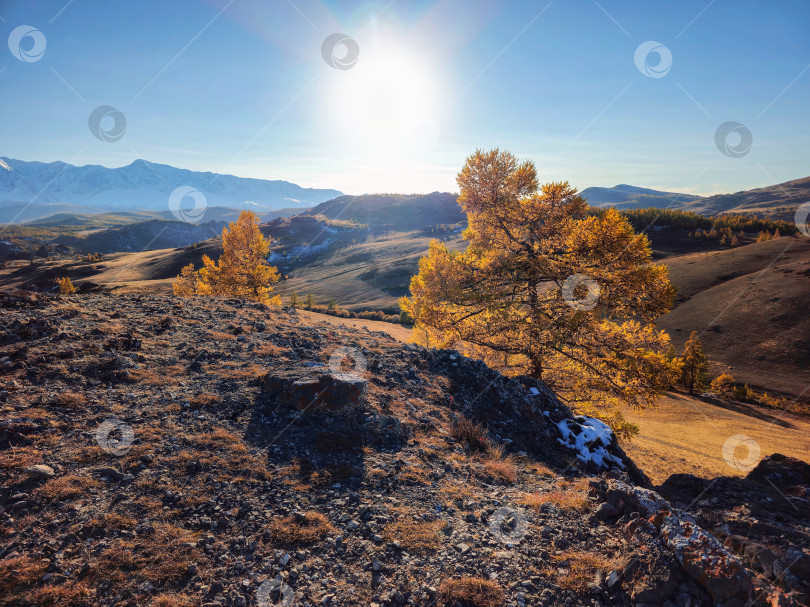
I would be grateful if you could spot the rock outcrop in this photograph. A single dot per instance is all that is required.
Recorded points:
(208, 452)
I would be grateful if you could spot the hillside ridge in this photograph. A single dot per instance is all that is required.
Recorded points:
(168, 449)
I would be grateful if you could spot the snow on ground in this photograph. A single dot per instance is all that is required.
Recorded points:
(589, 437)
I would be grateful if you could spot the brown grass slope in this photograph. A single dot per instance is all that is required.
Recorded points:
(778, 201)
(750, 306)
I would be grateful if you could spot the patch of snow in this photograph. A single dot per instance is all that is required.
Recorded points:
(534, 391)
(589, 437)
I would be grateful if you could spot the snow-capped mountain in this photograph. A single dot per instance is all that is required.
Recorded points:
(142, 185)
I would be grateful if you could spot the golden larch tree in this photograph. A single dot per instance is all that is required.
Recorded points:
(694, 364)
(549, 289)
(241, 271)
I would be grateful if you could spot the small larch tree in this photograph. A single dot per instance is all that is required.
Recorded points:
(723, 385)
(187, 283)
(694, 364)
(242, 269)
(310, 301)
(555, 291)
(65, 286)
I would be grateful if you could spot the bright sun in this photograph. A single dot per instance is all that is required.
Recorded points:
(387, 102)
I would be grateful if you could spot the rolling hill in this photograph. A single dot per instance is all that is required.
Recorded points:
(778, 201)
(632, 197)
(396, 212)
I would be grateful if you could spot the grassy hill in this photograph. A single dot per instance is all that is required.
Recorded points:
(778, 201)
(750, 305)
(394, 212)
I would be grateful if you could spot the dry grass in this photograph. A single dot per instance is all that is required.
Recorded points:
(540, 469)
(240, 370)
(269, 350)
(19, 572)
(580, 568)
(159, 558)
(204, 399)
(163, 376)
(570, 496)
(70, 400)
(66, 487)
(110, 521)
(172, 600)
(220, 439)
(75, 594)
(415, 536)
(456, 492)
(20, 457)
(470, 434)
(220, 336)
(499, 465)
(471, 591)
(291, 530)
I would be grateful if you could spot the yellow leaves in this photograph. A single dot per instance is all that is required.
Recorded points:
(187, 282)
(507, 298)
(242, 269)
(65, 286)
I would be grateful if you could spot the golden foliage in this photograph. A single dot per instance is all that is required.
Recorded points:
(723, 385)
(242, 269)
(187, 282)
(65, 286)
(509, 298)
(694, 364)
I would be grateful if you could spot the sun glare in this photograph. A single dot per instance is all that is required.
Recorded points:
(387, 102)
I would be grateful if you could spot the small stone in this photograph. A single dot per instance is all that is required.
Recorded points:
(40, 471)
(462, 547)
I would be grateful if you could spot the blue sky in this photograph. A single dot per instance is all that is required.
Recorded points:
(241, 87)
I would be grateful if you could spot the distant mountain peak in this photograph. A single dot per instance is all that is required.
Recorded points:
(140, 185)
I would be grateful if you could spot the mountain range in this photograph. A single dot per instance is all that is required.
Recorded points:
(33, 190)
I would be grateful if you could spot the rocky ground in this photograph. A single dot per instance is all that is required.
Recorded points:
(166, 452)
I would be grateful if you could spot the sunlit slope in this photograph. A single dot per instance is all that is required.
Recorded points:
(750, 305)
